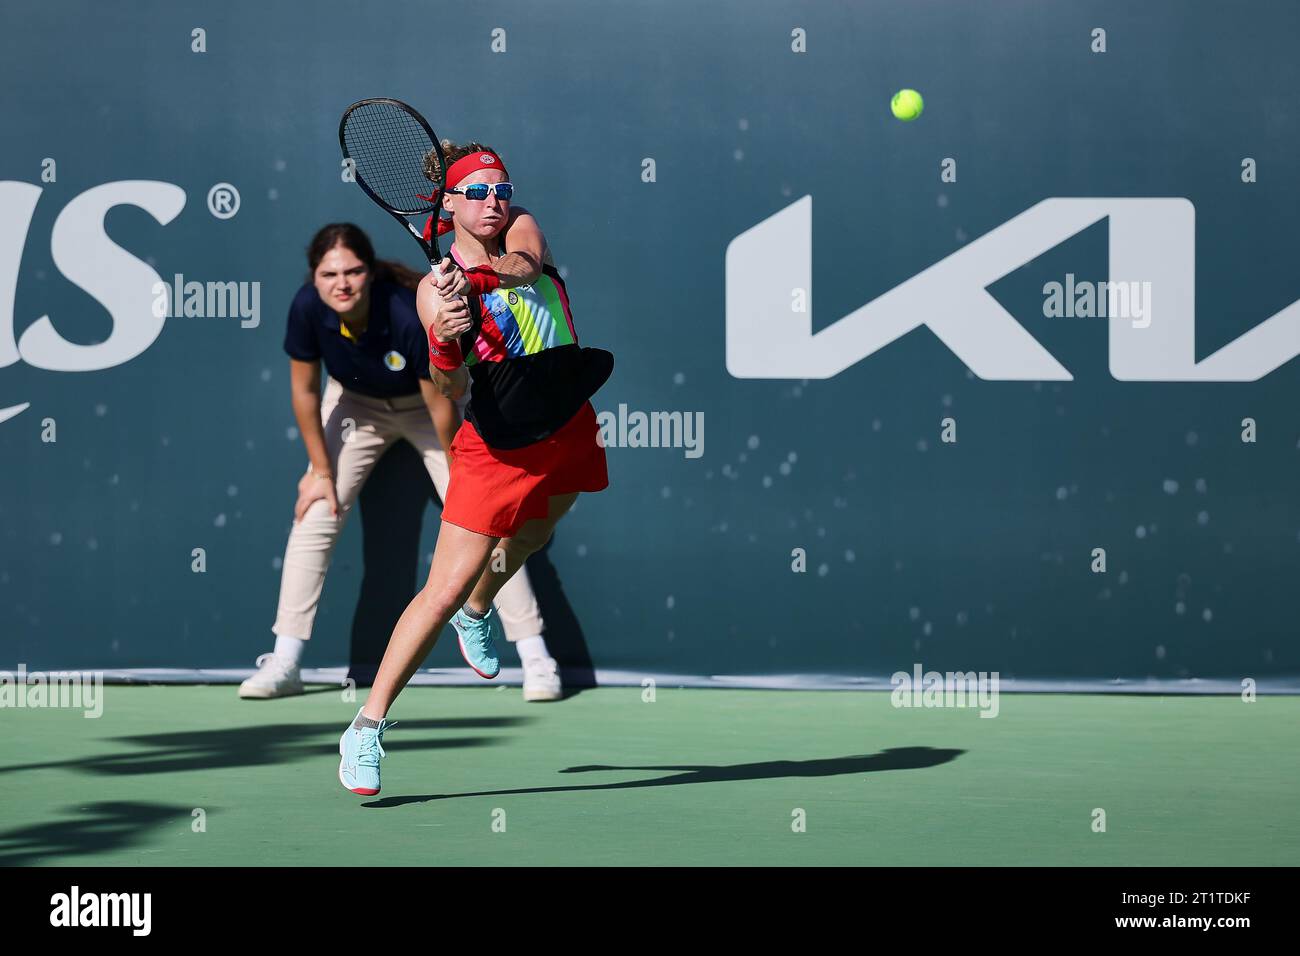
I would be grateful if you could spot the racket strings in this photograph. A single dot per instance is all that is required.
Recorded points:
(389, 148)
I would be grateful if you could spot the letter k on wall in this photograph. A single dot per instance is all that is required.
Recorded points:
(1150, 239)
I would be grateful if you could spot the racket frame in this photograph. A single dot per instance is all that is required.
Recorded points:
(429, 247)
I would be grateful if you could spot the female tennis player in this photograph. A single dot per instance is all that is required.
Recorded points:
(529, 445)
(357, 316)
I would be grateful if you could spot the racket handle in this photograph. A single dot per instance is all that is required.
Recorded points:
(435, 266)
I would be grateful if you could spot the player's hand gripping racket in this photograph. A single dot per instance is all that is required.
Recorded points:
(387, 143)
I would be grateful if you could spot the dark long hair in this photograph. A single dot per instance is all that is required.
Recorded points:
(354, 239)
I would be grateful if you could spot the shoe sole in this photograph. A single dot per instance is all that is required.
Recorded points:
(267, 693)
(542, 695)
(461, 644)
(360, 791)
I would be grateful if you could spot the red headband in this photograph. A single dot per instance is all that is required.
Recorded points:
(473, 163)
(459, 170)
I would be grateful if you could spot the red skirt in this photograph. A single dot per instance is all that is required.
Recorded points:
(493, 491)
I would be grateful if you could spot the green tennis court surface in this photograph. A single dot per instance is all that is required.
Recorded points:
(1182, 780)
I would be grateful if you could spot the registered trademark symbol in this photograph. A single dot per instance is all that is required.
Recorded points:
(223, 200)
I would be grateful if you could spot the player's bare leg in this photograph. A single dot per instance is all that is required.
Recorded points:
(514, 551)
(458, 562)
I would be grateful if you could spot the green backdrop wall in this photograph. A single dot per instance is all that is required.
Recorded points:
(976, 554)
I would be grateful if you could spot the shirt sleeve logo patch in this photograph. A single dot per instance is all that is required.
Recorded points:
(395, 361)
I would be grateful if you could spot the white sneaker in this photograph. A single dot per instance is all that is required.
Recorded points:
(541, 679)
(274, 678)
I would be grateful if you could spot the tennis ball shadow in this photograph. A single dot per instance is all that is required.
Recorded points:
(894, 758)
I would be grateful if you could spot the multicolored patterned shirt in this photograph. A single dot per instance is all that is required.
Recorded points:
(529, 376)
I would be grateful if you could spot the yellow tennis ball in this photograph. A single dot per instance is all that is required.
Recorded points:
(907, 105)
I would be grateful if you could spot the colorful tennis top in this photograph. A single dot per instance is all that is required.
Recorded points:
(524, 320)
(528, 373)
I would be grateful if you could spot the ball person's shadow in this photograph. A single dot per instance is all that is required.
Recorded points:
(392, 506)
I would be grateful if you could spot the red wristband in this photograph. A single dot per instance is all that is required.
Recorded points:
(446, 356)
(482, 280)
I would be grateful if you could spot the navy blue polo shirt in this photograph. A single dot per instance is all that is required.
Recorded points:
(390, 359)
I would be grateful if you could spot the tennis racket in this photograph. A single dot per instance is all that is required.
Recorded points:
(387, 143)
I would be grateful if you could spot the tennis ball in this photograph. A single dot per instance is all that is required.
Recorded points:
(907, 105)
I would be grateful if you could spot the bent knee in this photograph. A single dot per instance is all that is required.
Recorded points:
(320, 519)
(528, 541)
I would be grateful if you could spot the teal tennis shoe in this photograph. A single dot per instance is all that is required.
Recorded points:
(478, 641)
(360, 750)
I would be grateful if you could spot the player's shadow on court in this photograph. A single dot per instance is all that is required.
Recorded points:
(98, 828)
(895, 758)
(392, 506)
(259, 745)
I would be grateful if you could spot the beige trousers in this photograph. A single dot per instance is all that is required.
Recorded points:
(358, 430)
